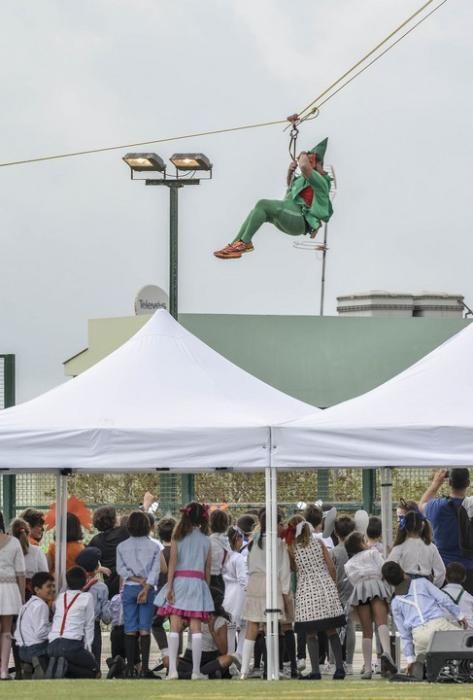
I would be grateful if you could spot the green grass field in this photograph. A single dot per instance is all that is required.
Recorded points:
(233, 690)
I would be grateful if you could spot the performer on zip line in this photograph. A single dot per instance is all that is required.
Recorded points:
(306, 205)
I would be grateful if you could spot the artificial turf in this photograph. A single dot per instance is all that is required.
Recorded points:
(234, 690)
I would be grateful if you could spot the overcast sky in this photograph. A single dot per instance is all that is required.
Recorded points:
(78, 238)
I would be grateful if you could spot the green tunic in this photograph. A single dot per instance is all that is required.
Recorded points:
(321, 208)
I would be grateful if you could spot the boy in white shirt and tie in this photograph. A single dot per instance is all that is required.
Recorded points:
(33, 627)
(72, 632)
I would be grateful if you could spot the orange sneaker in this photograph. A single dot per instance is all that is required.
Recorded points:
(234, 250)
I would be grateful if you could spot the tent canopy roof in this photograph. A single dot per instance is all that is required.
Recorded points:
(421, 417)
(162, 400)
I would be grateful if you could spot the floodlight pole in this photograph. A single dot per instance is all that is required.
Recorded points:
(174, 185)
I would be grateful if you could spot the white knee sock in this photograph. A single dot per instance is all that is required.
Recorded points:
(241, 640)
(173, 643)
(248, 651)
(196, 652)
(367, 647)
(383, 632)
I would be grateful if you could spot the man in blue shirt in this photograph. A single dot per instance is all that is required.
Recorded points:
(442, 514)
(419, 609)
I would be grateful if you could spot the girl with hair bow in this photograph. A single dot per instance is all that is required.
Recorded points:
(414, 550)
(186, 596)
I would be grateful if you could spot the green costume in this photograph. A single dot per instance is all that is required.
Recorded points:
(292, 215)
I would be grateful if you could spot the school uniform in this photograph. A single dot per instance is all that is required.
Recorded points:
(462, 598)
(99, 592)
(72, 634)
(32, 630)
(219, 551)
(419, 613)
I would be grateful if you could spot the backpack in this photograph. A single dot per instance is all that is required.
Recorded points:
(464, 513)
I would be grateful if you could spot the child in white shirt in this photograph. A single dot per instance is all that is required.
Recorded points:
(72, 632)
(33, 627)
(456, 575)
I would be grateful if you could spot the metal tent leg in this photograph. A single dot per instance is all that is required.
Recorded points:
(61, 530)
(387, 508)
(272, 615)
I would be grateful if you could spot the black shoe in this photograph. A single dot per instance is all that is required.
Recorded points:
(49, 675)
(148, 674)
(339, 674)
(116, 667)
(388, 664)
(61, 668)
(311, 677)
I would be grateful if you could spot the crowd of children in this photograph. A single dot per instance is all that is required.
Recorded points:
(200, 590)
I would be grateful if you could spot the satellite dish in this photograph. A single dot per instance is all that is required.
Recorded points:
(149, 299)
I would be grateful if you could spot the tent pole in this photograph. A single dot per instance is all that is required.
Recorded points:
(61, 529)
(269, 569)
(387, 508)
(274, 571)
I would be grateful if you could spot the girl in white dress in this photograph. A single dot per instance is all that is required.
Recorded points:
(235, 575)
(12, 594)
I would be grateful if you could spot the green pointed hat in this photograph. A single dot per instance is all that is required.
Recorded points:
(320, 149)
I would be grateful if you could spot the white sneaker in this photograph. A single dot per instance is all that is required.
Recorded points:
(172, 676)
(199, 677)
(255, 673)
(348, 669)
(233, 670)
(300, 664)
(328, 668)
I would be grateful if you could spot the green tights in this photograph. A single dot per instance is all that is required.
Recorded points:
(284, 214)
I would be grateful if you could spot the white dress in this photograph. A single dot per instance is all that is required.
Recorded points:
(235, 575)
(12, 564)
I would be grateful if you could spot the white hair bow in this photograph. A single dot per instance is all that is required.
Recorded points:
(300, 527)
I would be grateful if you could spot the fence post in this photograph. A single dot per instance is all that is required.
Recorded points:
(187, 488)
(369, 489)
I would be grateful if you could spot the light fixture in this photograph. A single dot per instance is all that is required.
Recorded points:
(145, 162)
(191, 161)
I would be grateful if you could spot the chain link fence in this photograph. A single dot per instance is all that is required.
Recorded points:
(345, 488)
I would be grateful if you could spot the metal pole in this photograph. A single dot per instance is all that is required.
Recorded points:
(387, 508)
(269, 569)
(324, 260)
(61, 530)
(173, 250)
(274, 572)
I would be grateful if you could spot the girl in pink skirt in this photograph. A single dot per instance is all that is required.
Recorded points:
(187, 595)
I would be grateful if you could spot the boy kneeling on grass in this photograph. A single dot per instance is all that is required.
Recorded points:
(72, 632)
(33, 627)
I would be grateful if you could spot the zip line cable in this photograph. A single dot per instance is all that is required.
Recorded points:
(368, 55)
(308, 112)
(376, 58)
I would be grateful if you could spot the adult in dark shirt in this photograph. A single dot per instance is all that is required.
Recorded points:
(442, 513)
(109, 537)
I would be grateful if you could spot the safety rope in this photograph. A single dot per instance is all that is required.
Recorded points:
(309, 112)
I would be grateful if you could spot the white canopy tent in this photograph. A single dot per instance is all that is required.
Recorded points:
(421, 417)
(162, 401)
